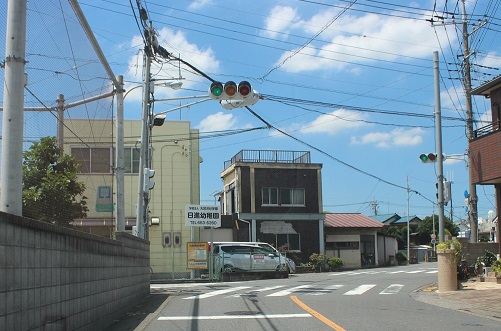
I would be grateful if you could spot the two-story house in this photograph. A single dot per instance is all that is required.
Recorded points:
(485, 146)
(275, 197)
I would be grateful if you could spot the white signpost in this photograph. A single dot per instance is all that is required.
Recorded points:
(199, 215)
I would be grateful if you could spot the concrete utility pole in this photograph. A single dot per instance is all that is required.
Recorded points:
(440, 156)
(11, 200)
(472, 200)
(143, 197)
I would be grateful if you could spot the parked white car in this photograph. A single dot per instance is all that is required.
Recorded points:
(252, 256)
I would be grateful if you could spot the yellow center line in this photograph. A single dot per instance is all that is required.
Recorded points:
(317, 314)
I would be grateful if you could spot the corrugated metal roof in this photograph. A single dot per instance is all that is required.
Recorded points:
(386, 217)
(350, 220)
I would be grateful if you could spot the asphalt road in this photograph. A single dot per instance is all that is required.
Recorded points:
(371, 299)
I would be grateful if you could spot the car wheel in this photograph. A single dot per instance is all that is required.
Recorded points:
(228, 268)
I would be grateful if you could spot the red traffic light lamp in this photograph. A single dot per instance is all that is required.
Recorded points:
(230, 90)
(428, 158)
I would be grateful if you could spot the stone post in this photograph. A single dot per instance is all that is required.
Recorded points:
(447, 270)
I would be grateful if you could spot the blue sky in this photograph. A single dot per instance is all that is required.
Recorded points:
(353, 80)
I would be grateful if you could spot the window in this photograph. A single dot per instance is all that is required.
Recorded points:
(350, 245)
(270, 195)
(292, 196)
(131, 160)
(288, 242)
(100, 160)
(93, 160)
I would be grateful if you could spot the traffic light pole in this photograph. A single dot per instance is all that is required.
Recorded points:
(440, 156)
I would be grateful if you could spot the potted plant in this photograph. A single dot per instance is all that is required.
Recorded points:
(496, 267)
(485, 260)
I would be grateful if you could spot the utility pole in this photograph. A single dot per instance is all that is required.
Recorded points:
(440, 156)
(144, 159)
(11, 200)
(374, 206)
(408, 224)
(472, 200)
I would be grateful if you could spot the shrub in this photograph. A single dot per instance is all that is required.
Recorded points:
(487, 259)
(454, 244)
(401, 257)
(335, 263)
(317, 260)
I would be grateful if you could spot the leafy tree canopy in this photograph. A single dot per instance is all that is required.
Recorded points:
(51, 191)
(425, 228)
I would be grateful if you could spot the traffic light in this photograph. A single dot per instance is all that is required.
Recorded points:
(428, 158)
(230, 90)
(148, 183)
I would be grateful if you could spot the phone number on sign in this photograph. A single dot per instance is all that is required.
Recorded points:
(204, 223)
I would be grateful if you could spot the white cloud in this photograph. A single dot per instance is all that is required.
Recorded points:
(280, 20)
(200, 4)
(370, 37)
(396, 137)
(217, 122)
(177, 43)
(334, 122)
(492, 60)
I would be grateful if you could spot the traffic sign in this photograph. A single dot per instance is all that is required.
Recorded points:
(433, 236)
(433, 241)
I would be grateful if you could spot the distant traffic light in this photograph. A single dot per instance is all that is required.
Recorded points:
(428, 158)
(230, 90)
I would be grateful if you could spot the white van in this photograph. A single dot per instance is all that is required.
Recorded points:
(252, 256)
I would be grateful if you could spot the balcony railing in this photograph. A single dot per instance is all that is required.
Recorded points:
(485, 130)
(269, 156)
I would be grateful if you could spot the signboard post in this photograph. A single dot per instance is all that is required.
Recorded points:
(204, 215)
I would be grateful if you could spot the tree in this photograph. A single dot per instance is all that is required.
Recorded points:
(51, 191)
(400, 233)
(425, 229)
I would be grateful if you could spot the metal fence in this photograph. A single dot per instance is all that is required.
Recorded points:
(172, 266)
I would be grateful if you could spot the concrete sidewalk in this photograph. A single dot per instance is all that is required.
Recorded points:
(477, 298)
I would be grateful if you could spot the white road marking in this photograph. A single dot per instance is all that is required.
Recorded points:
(392, 289)
(288, 291)
(227, 317)
(214, 293)
(432, 272)
(270, 288)
(360, 290)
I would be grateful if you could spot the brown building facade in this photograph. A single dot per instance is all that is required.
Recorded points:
(275, 197)
(485, 146)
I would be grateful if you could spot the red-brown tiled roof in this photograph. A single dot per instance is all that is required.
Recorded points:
(350, 220)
